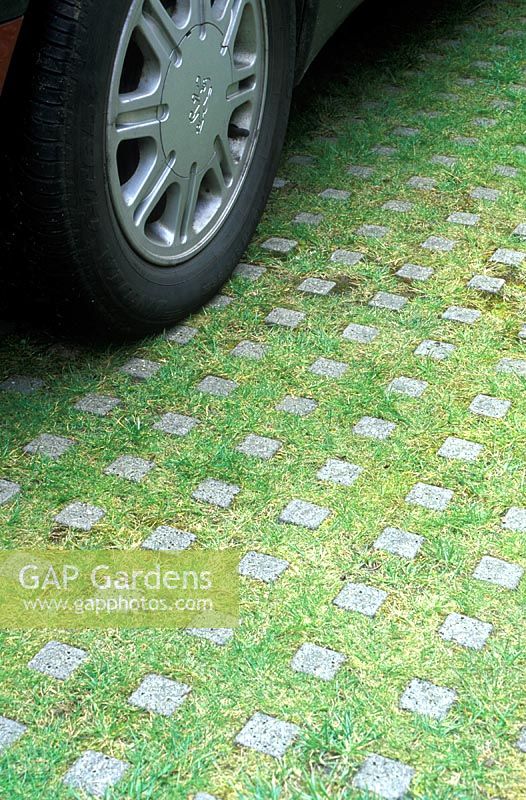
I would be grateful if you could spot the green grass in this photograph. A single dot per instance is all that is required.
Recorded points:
(471, 754)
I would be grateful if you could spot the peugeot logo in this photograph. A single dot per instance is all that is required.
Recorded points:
(200, 101)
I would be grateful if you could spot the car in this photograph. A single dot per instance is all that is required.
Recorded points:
(144, 139)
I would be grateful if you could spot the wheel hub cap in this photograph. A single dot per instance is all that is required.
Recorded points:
(193, 100)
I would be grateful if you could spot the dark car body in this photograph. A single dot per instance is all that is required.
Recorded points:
(317, 21)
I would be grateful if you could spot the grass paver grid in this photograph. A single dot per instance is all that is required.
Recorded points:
(354, 422)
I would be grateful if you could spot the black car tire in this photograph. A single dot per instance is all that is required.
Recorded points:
(67, 223)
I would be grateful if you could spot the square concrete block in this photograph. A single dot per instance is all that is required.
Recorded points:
(502, 105)
(95, 774)
(399, 543)
(21, 384)
(8, 490)
(49, 445)
(445, 161)
(167, 538)
(251, 272)
(363, 599)
(254, 351)
(438, 244)
(335, 194)
(506, 172)
(484, 193)
(140, 369)
(218, 302)
(58, 660)
(181, 334)
(512, 366)
(80, 516)
(300, 406)
(259, 446)
(515, 520)
(512, 258)
(317, 661)
(301, 160)
(279, 183)
(384, 777)
(462, 218)
(218, 636)
(304, 218)
(438, 351)
(10, 732)
(364, 334)
(399, 206)
(465, 631)
(435, 498)
(216, 387)
(159, 695)
(465, 316)
(486, 406)
(466, 141)
(304, 514)
(374, 428)
(205, 796)
(373, 231)
(285, 317)
(501, 573)
(316, 286)
(484, 122)
(130, 468)
(279, 246)
(384, 150)
(176, 424)
(347, 257)
(216, 493)
(414, 272)
(337, 471)
(418, 182)
(411, 387)
(404, 130)
(391, 302)
(520, 230)
(427, 699)
(327, 368)
(267, 735)
(358, 171)
(460, 449)
(262, 567)
(521, 741)
(98, 404)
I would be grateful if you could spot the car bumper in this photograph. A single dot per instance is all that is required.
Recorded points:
(8, 37)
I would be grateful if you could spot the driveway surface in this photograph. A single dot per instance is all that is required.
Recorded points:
(351, 414)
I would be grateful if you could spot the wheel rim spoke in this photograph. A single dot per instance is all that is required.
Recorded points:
(236, 15)
(221, 13)
(148, 203)
(225, 161)
(157, 36)
(188, 203)
(239, 96)
(138, 124)
(166, 23)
